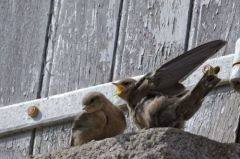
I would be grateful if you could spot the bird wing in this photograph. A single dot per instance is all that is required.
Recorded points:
(169, 74)
(190, 103)
(87, 120)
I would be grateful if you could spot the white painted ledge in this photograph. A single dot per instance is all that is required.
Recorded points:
(235, 74)
(65, 106)
(225, 64)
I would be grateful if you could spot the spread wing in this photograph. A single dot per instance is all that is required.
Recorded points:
(167, 77)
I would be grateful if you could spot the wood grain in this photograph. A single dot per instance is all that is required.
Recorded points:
(151, 33)
(52, 138)
(22, 38)
(80, 51)
(23, 30)
(218, 117)
(215, 19)
(80, 54)
(15, 146)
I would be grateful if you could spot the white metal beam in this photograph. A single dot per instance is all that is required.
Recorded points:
(65, 106)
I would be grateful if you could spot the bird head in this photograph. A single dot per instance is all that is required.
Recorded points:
(210, 78)
(123, 87)
(93, 101)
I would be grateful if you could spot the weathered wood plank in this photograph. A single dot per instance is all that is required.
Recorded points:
(80, 50)
(215, 19)
(64, 107)
(219, 115)
(15, 146)
(52, 138)
(151, 33)
(22, 37)
(23, 30)
(80, 54)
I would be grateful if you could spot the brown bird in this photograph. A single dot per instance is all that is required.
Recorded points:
(100, 120)
(163, 85)
(173, 111)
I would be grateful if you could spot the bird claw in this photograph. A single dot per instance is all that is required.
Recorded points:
(210, 70)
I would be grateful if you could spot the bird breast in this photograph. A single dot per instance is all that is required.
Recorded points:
(116, 122)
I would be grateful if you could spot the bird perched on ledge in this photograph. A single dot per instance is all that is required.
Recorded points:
(162, 87)
(100, 120)
(173, 111)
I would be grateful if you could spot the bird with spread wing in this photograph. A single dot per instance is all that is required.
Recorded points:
(158, 99)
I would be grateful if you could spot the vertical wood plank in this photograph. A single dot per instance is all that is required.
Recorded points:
(15, 146)
(23, 29)
(80, 54)
(80, 50)
(22, 37)
(151, 33)
(218, 117)
(215, 19)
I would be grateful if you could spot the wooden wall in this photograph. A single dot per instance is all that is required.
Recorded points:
(218, 118)
(54, 46)
(23, 30)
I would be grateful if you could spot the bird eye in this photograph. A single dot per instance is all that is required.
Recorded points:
(92, 100)
(125, 83)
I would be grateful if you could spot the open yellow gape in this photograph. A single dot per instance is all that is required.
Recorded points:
(119, 89)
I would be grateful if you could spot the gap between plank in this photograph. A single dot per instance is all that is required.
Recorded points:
(189, 21)
(237, 139)
(44, 57)
(116, 40)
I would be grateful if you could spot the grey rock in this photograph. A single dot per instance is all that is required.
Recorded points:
(160, 143)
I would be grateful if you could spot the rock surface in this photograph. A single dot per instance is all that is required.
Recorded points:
(160, 143)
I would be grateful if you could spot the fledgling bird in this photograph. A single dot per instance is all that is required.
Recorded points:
(164, 82)
(173, 111)
(100, 120)
(166, 79)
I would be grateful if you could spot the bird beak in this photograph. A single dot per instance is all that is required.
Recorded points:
(114, 83)
(84, 107)
(119, 88)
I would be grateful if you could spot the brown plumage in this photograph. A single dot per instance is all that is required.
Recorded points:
(100, 120)
(173, 111)
(166, 79)
(150, 98)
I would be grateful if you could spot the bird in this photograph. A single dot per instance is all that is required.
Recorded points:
(100, 119)
(173, 111)
(164, 83)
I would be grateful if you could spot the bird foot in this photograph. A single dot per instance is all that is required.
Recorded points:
(210, 70)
